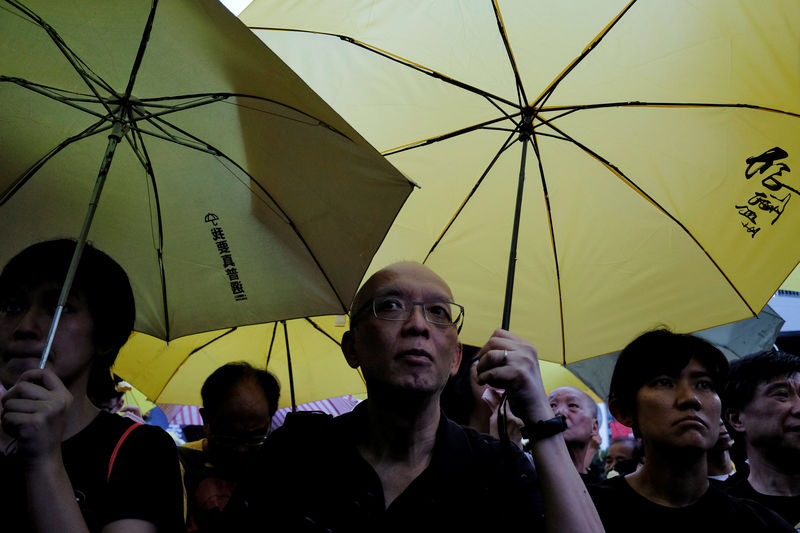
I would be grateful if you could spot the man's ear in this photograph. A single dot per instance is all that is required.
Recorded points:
(205, 416)
(349, 349)
(734, 420)
(623, 417)
(457, 359)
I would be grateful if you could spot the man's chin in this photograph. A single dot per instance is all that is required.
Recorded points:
(408, 388)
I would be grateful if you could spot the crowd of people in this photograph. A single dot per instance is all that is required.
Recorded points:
(450, 438)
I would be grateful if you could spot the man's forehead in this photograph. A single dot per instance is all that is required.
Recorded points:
(790, 379)
(694, 368)
(404, 279)
(567, 394)
(571, 394)
(624, 444)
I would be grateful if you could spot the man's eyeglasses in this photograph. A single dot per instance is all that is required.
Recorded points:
(438, 312)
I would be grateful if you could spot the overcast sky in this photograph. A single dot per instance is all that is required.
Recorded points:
(236, 6)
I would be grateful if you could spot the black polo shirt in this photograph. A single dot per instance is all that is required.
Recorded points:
(312, 478)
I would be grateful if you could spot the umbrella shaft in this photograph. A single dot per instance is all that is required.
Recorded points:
(113, 139)
(289, 364)
(512, 258)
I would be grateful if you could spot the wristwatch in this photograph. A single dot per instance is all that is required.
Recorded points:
(545, 428)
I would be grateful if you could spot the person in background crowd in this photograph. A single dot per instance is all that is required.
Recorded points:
(580, 412)
(238, 404)
(469, 403)
(762, 409)
(109, 395)
(623, 457)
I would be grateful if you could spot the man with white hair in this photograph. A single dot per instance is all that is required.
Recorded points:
(580, 413)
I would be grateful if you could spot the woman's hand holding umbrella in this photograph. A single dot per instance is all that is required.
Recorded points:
(33, 414)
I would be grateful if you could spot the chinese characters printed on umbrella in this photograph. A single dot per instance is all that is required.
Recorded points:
(775, 195)
(224, 250)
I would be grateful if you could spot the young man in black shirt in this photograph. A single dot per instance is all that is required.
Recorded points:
(664, 386)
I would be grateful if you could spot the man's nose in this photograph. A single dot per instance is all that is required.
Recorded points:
(417, 319)
(559, 409)
(794, 397)
(686, 396)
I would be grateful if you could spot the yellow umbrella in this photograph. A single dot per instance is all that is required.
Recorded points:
(135, 398)
(555, 376)
(656, 141)
(173, 373)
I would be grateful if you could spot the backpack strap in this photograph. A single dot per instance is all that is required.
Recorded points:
(116, 449)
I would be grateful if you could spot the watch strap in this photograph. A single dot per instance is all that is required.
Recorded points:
(545, 428)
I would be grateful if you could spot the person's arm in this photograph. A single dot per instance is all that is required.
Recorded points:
(511, 363)
(129, 526)
(33, 413)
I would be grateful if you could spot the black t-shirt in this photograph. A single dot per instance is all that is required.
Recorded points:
(145, 480)
(310, 477)
(208, 490)
(622, 509)
(594, 474)
(788, 507)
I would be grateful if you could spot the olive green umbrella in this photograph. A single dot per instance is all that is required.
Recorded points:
(231, 193)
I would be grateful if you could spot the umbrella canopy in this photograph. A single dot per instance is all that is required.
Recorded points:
(174, 373)
(233, 194)
(555, 376)
(135, 398)
(655, 138)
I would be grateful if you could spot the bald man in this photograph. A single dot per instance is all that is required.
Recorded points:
(396, 463)
(581, 413)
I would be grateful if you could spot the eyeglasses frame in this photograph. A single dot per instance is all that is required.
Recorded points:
(458, 323)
